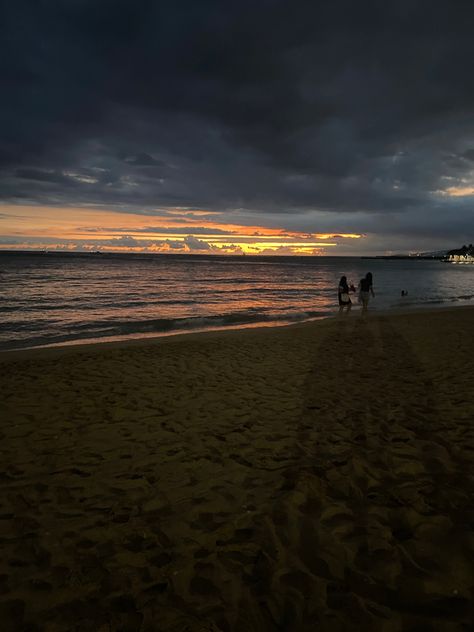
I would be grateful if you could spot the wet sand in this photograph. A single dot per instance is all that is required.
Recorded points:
(315, 477)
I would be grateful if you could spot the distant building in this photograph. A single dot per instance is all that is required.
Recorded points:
(462, 255)
(461, 258)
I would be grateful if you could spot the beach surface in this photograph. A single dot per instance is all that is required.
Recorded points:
(313, 477)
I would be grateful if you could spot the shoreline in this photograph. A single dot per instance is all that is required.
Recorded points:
(152, 339)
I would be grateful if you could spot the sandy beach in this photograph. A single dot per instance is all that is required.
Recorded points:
(313, 477)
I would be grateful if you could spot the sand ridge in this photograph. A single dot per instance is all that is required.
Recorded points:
(317, 477)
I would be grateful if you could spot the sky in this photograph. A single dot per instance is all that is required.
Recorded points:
(262, 126)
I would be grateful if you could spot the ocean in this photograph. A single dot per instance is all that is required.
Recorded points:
(49, 299)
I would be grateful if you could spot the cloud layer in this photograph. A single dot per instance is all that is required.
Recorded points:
(342, 116)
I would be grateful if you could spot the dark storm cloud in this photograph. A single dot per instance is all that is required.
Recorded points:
(38, 175)
(143, 160)
(469, 155)
(277, 107)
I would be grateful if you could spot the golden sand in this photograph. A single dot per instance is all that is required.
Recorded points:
(316, 477)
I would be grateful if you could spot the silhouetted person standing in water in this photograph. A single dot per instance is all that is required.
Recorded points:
(343, 295)
(365, 290)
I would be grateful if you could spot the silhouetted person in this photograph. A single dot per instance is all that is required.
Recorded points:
(365, 290)
(343, 295)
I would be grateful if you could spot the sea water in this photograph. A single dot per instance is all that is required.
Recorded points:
(65, 298)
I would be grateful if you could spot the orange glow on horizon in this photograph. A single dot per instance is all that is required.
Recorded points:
(167, 230)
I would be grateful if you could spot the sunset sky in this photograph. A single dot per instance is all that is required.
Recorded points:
(262, 127)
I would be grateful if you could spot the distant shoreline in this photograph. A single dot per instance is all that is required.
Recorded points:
(411, 257)
(100, 254)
